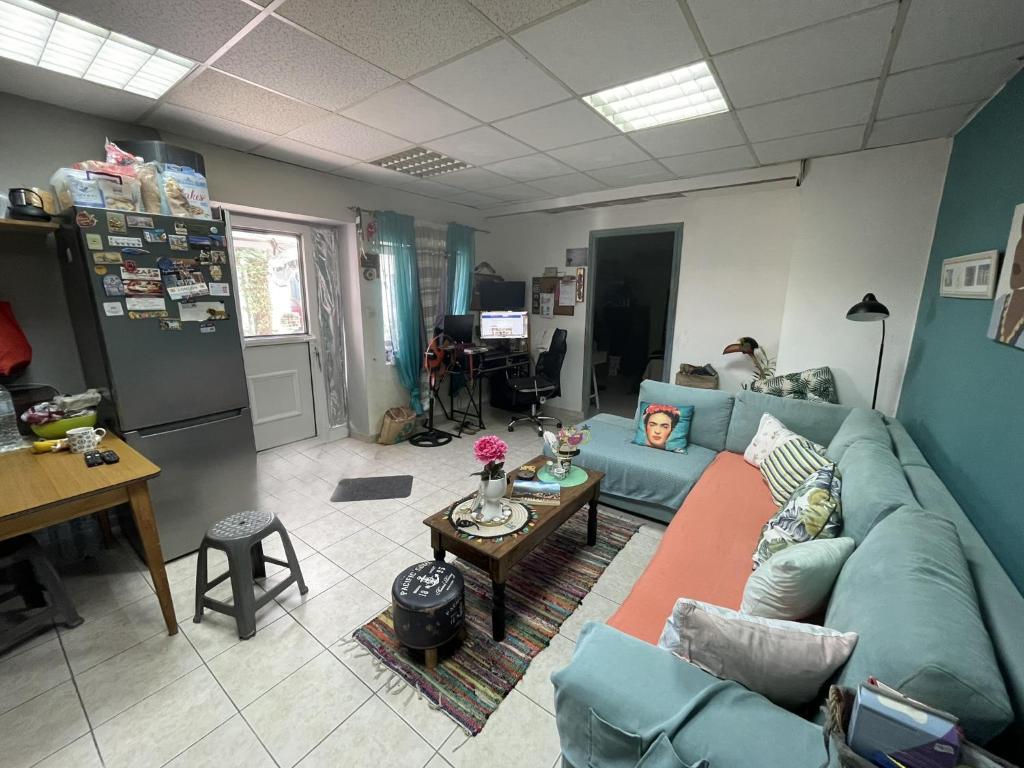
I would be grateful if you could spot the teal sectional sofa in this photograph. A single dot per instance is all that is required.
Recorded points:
(937, 615)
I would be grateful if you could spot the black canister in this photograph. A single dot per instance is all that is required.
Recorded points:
(427, 604)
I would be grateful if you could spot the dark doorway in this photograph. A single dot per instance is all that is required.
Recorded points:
(632, 290)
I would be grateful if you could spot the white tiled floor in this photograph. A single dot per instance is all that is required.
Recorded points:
(117, 691)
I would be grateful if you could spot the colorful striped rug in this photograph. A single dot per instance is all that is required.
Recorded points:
(542, 592)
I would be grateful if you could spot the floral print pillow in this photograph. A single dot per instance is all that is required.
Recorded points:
(814, 511)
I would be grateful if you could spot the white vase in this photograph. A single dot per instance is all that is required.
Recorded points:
(490, 510)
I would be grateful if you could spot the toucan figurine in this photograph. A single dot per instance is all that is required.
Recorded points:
(746, 345)
(749, 347)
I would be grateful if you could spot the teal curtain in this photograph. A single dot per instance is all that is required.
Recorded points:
(398, 234)
(461, 260)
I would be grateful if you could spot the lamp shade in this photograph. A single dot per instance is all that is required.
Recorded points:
(868, 309)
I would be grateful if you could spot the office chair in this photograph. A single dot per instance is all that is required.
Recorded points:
(545, 383)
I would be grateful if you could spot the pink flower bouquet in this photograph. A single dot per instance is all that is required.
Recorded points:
(490, 451)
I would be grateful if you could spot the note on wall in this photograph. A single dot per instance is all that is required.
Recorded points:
(567, 292)
(547, 304)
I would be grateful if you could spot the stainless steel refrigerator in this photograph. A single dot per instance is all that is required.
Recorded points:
(176, 388)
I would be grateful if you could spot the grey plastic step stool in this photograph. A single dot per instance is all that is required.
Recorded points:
(240, 537)
(32, 574)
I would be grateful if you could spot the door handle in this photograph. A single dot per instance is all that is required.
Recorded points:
(316, 351)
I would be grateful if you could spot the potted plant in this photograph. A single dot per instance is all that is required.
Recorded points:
(490, 451)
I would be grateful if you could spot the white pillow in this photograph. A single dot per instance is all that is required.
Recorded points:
(771, 433)
(784, 661)
(795, 582)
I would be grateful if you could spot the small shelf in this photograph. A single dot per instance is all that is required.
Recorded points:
(37, 227)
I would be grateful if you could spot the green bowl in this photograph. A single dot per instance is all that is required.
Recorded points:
(55, 430)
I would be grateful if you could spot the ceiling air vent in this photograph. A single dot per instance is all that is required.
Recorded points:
(421, 163)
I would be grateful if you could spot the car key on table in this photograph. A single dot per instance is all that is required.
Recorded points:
(109, 457)
(92, 458)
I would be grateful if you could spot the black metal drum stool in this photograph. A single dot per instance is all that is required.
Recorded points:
(240, 536)
(428, 606)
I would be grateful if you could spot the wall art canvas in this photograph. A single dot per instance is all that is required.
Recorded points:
(970, 277)
(576, 257)
(1007, 323)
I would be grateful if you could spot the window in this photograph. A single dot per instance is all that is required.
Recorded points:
(270, 291)
(387, 290)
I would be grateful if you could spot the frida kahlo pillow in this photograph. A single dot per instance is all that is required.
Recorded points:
(666, 427)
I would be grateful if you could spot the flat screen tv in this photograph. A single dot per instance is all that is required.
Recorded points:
(505, 294)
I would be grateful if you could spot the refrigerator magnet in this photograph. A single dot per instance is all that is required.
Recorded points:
(154, 236)
(216, 273)
(207, 327)
(99, 269)
(134, 272)
(112, 286)
(124, 242)
(107, 257)
(205, 258)
(116, 223)
(134, 251)
(85, 220)
(145, 303)
(149, 314)
(220, 289)
(178, 242)
(199, 241)
(180, 228)
(113, 309)
(140, 222)
(94, 241)
(129, 266)
(219, 257)
(170, 324)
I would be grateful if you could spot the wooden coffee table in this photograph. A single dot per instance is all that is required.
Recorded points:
(498, 558)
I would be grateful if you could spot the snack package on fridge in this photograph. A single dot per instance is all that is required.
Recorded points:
(95, 189)
(150, 187)
(185, 192)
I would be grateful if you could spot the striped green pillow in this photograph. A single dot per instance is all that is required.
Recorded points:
(788, 466)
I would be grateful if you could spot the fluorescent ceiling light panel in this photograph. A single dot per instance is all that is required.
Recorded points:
(421, 162)
(34, 34)
(682, 94)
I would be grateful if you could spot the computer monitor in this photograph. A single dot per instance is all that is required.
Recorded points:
(459, 328)
(502, 295)
(504, 325)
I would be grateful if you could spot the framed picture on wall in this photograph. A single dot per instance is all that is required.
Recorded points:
(970, 277)
(1007, 323)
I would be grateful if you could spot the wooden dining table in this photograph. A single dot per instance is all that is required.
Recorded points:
(40, 490)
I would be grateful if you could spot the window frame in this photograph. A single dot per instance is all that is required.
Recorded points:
(273, 338)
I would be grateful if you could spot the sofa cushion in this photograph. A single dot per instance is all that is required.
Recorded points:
(705, 552)
(861, 424)
(641, 689)
(771, 433)
(638, 472)
(796, 583)
(711, 410)
(907, 591)
(789, 466)
(905, 448)
(818, 422)
(814, 511)
(874, 485)
(663, 426)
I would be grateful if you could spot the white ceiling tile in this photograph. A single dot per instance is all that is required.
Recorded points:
(480, 146)
(954, 82)
(373, 174)
(715, 161)
(939, 30)
(297, 153)
(610, 42)
(70, 92)
(811, 145)
(646, 172)
(428, 187)
(348, 138)
(290, 60)
(571, 122)
(703, 133)
(836, 53)
(192, 28)
(402, 36)
(530, 167)
(512, 14)
(186, 122)
(492, 83)
(215, 93)
(516, 192)
(923, 125)
(602, 153)
(815, 112)
(569, 184)
(474, 199)
(475, 179)
(727, 25)
(409, 113)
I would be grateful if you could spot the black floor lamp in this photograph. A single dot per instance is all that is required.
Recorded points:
(870, 309)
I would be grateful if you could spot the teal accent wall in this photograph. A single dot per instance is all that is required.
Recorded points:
(963, 395)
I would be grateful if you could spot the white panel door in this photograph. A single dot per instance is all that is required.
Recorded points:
(280, 392)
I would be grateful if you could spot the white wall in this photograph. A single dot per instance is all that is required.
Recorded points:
(866, 225)
(782, 266)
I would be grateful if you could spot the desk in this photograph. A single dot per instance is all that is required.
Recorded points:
(39, 490)
(484, 365)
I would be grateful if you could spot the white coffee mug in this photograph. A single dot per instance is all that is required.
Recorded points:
(82, 439)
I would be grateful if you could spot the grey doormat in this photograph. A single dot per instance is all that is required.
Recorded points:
(367, 488)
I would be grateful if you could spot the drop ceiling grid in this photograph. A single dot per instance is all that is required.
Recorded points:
(498, 34)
